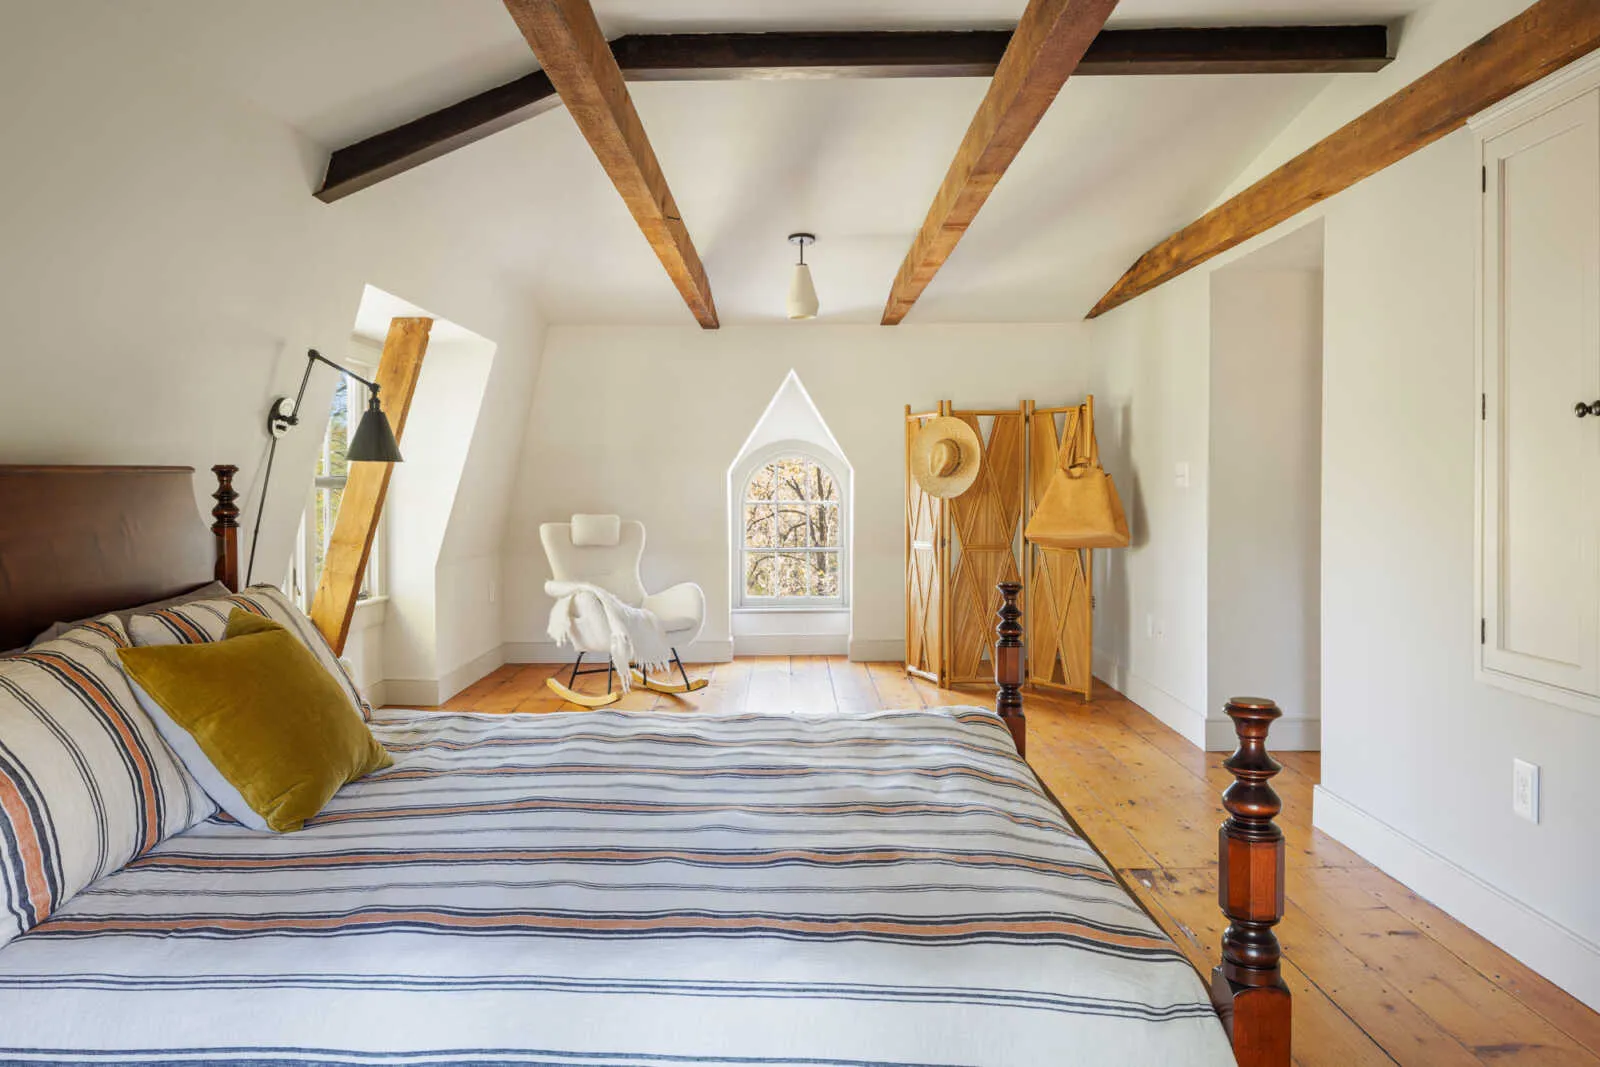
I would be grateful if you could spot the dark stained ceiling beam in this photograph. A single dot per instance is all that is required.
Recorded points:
(888, 54)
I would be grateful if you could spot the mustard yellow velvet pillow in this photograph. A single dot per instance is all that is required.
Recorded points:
(270, 719)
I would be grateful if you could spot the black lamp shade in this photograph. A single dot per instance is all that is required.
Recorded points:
(374, 440)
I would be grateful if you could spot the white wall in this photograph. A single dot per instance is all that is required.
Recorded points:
(644, 420)
(1264, 572)
(1416, 753)
(1416, 764)
(1152, 384)
(164, 268)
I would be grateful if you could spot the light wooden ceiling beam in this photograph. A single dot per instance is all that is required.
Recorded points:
(1046, 48)
(1544, 38)
(856, 54)
(574, 54)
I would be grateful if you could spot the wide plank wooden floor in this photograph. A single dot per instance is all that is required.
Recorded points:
(1378, 974)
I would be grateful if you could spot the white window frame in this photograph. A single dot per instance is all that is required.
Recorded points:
(738, 488)
(373, 587)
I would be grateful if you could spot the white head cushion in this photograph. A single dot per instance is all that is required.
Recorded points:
(596, 531)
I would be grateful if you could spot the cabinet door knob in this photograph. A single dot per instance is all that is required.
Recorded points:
(1582, 409)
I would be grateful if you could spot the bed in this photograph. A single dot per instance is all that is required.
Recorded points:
(606, 888)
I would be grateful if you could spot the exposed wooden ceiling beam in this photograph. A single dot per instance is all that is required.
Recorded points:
(1544, 38)
(566, 39)
(889, 54)
(1050, 39)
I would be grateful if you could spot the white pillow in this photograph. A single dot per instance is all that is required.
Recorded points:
(197, 763)
(596, 531)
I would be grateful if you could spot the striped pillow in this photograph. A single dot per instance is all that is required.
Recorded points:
(207, 620)
(86, 782)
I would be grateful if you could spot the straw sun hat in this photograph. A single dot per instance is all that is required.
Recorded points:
(945, 456)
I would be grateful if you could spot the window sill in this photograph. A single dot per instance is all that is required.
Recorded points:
(790, 609)
(369, 612)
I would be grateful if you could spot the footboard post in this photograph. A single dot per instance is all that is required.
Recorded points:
(1008, 674)
(226, 525)
(1248, 987)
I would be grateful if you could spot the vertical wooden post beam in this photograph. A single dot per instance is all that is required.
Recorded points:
(1248, 987)
(1008, 662)
(225, 526)
(350, 546)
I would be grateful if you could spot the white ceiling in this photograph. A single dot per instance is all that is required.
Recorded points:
(1117, 163)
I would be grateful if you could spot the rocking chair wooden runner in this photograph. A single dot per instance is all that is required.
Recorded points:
(605, 551)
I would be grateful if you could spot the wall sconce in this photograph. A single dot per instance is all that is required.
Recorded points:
(373, 441)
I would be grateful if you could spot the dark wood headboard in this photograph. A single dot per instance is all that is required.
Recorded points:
(80, 541)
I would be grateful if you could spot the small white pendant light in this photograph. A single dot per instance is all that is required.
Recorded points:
(802, 294)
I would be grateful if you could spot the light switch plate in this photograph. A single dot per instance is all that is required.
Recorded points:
(1180, 475)
(1525, 789)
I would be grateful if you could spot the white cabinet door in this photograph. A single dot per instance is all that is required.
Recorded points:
(1541, 357)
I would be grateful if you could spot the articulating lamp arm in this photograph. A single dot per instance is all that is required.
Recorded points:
(286, 413)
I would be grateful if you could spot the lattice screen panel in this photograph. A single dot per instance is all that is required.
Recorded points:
(986, 523)
(1059, 582)
(925, 545)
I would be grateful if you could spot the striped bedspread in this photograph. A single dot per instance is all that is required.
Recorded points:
(613, 888)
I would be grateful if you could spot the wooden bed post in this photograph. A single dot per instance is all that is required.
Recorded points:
(1008, 674)
(225, 525)
(1248, 987)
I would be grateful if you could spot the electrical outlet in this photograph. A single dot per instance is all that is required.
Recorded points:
(1525, 789)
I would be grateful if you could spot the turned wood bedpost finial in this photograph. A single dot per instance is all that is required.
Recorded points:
(1008, 666)
(225, 525)
(1248, 985)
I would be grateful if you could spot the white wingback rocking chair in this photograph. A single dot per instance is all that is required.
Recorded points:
(604, 551)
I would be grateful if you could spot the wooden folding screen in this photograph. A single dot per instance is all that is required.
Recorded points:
(959, 550)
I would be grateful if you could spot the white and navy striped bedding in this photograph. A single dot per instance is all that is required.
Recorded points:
(86, 782)
(613, 888)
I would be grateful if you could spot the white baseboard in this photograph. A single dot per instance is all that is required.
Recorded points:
(1210, 734)
(1157, 701)
(411, 692)
(455, 681)
(878, 650)
(1108, 670)
(1564, 956)
(376, 694)
(718, 651)
(790, 645)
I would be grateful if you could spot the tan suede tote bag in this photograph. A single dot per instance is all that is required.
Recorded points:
(1080, 509)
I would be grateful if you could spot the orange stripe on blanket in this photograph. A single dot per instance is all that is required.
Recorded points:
(378, 858)
(500, 807)
(534, 922)
(34, 881)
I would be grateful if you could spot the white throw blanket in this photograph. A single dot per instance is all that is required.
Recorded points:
(636, 635)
